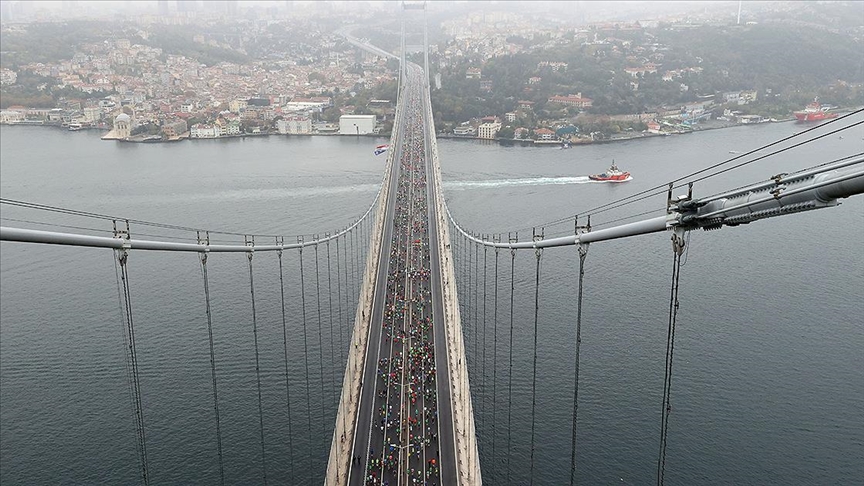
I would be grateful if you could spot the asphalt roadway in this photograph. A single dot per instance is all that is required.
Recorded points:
(367, 434)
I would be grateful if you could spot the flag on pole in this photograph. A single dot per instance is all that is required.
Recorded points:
(381, 149)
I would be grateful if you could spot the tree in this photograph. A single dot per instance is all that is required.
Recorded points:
(507, 133)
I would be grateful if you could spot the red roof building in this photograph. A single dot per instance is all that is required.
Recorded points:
(572, 100)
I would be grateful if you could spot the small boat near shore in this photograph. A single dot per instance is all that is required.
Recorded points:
(612, 174)
(814, 112)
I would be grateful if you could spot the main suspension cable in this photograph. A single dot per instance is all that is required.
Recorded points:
(203, 259)
(257, 369)
(285, 350)
(106, 217)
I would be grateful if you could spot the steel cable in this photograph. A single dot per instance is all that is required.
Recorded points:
(132, 357)
(127, 365)
(510, 374)
(257, 370)
(483, 365)
(285, 350)
(339, 307)
(349, 320)
(353, 286)
(306, 360)
(213, 366)
(667, 382)
(469, 329)
(320, 342)
(495, 359)
(582, 254)
(539, 253)
(333, 364)
(475, 319)
(613, 204)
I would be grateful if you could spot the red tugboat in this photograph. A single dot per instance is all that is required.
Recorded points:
(814, 112)
(611, 175)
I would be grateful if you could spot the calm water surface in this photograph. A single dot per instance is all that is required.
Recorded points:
(768, 385)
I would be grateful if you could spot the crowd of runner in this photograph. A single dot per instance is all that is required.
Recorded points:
(404, 440)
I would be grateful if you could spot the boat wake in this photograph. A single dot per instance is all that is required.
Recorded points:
(277, 193)
(528, 181)
(295, 192)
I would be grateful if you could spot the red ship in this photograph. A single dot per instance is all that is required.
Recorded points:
(814, 112)
(613, 174)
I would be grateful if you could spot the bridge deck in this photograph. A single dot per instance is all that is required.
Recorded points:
(404, 432)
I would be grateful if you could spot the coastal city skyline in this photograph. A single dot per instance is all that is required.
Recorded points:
(179, 70)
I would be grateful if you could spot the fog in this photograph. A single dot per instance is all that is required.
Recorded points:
(571, 11)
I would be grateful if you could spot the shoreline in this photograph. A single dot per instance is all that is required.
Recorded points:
(499, 141)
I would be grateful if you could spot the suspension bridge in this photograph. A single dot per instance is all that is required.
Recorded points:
(414, 275)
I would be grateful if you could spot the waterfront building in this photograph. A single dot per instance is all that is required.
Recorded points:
(488, 130)
(123, 126)
(465, 130)
(203, 130)
(227, 127)
(356, 124)
(317, 103)
(173, 129)
(11, 116)
(294, 125)
(544, 134)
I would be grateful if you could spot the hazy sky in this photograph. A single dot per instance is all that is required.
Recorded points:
(610, 6)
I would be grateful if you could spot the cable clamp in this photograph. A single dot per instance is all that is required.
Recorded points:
(250, 242)
(777, 192)
(580, 230)
(204, 242)
(679, 203)
(123, 234)
(535, 238)
(280, 242)
(678, 233)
